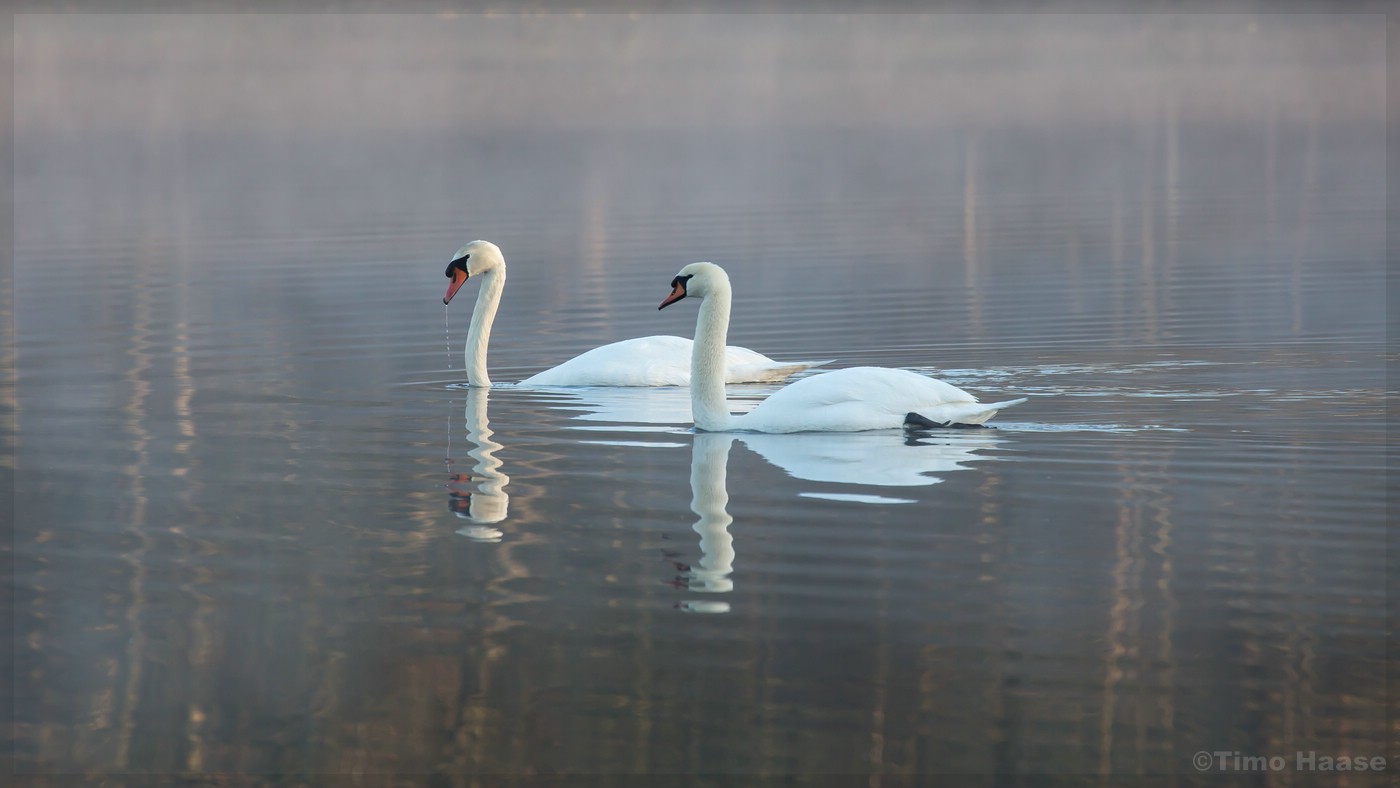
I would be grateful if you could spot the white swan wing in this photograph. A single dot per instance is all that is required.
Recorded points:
(747, 366)
(643, 361)
(864, 398)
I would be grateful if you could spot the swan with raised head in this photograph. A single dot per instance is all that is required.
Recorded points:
(843, 400)
(644, 361)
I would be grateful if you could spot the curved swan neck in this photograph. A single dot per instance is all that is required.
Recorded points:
(707, 362)
(479, 335)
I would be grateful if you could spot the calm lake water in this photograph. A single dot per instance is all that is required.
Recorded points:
(262, 527)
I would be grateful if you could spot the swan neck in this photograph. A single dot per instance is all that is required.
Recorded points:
(479, 335)
(707, 363)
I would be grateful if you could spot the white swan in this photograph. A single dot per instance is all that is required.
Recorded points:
(645, 361)
(843, 400)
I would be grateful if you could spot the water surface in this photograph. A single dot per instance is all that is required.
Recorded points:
(263, 528)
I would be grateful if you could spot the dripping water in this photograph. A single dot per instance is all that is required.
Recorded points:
(447, 337)
(447, 461)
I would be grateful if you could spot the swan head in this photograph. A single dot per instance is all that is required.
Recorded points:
(473, 259)
(696, 280)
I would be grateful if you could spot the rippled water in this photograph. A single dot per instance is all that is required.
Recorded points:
(262, 527)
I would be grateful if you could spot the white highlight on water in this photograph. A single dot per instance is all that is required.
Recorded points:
(854, 498)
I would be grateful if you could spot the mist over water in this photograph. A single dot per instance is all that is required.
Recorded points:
(262, 528)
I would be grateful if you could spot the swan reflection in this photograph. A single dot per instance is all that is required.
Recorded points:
(480, 495)
(872, 459)
(709, 498)
(877, 458)
(867, 459)
(666, 409)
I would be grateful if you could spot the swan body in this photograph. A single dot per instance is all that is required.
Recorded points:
(864, 398)
(843, 400)
(658, 361)
(645, 361)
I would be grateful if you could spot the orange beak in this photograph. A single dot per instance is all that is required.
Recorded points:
(459, 277)
(677, 293)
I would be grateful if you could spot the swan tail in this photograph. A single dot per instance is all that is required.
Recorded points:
(774, 372)
(963, 414)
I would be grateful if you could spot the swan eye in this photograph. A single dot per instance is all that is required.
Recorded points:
(681, 280)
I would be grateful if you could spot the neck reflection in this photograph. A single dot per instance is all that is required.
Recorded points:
(479, 496)
(709, 498)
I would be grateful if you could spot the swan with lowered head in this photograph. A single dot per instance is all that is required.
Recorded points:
(644, 361)
(843, 400)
